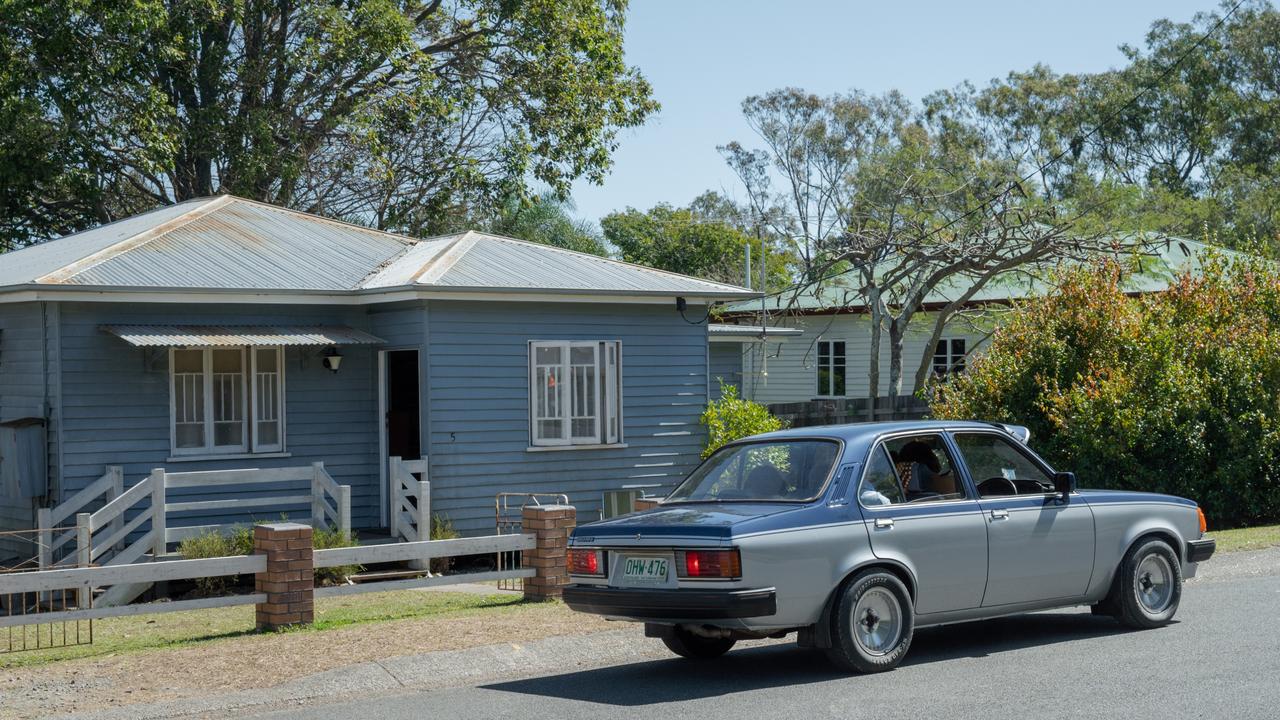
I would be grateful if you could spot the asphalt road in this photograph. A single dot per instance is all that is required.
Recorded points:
(1221, 659)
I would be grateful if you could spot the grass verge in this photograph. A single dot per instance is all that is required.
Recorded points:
(114, 636)
(1254, 538)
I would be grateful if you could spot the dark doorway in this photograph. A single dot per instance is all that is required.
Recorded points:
(403, 412)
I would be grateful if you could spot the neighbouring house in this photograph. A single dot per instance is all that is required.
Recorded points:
(831, 362)
(223, 333)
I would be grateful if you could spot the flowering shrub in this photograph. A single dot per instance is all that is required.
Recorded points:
(732, 417)
(1175, 392)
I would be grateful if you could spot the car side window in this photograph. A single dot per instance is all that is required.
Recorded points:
(999, 468)
(880, 483)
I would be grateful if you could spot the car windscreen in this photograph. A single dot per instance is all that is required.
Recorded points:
(780, 470)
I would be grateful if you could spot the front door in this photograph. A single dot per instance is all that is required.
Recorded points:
(1041, 547)
(919, 513)
(403, 411)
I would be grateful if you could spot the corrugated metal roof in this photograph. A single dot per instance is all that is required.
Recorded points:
(498, 262)
(744, 332)
(239, 335)
(228, 243)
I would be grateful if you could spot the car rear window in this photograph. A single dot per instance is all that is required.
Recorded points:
(782, 470)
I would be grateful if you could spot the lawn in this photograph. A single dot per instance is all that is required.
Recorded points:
(168, 630)
(1254, 538)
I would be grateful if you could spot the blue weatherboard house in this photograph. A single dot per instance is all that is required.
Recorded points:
(226, 334)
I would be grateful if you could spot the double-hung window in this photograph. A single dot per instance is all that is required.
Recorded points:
(575, 393)
(831, 368)
(227, 400)
(948, 356)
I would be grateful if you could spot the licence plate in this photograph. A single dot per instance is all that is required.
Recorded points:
(645, 570)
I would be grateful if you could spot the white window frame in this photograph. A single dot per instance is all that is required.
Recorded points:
(606, 382)
(248, 399)
(824, 392)
(954, 362)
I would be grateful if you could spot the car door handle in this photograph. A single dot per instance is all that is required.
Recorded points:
(884, 523)
(1000, 514)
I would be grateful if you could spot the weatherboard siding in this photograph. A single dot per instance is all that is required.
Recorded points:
(477, 357)
(788, 370)
(726, 360)
(116, 407)
(22, 394)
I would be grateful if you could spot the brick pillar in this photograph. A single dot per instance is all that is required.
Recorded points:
(289, 579)
(551, 524)
(645, 504)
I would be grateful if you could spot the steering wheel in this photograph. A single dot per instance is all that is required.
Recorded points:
(990, 485)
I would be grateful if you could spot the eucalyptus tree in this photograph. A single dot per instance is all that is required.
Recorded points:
(396, 113)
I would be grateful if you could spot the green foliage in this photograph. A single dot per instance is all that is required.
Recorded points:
(688, 241)
(1175, 392)
(442, 529)
(214, 544)
(403, 115)
(547, 220)
(732, 417)
(326, 538)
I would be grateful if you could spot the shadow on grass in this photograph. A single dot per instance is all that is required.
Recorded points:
(785, 665)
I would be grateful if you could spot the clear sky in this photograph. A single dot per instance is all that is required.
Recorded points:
(704, 56)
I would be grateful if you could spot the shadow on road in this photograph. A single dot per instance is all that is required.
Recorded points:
(785, 665)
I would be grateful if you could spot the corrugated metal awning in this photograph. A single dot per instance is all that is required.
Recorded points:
(238, 335)
(749, 333)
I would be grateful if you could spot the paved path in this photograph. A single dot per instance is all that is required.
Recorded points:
(1221, 659)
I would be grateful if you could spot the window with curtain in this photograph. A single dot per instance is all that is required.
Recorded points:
(574, 393)
(227, 400)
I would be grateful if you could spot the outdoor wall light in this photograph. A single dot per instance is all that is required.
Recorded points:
(332, 359)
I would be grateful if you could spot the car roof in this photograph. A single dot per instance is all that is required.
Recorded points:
(867, 431)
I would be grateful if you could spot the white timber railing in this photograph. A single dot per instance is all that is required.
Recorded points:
(410, 500)
(147, 503)
(84, 579)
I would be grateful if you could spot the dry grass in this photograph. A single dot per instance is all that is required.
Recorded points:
(216, 650)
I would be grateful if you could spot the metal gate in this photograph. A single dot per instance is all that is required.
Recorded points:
(20, 612)
(508, 509)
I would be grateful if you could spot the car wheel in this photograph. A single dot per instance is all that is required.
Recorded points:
(872, 624)
(696, 647)
(1148, 586)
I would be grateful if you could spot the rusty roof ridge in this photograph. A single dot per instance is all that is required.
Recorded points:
(407, 240)
(70, 270)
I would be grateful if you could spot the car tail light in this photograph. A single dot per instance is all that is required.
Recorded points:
(1204, 525)
(709, 564)
(585, 562)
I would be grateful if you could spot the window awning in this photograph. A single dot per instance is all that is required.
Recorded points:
(239, 335)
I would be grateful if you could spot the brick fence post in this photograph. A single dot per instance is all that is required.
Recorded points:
(645, 504)
(551, 525)
(289, 581)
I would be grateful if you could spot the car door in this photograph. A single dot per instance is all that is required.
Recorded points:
(943, 541)
(1040, 547)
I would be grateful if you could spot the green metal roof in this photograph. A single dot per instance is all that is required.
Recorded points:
(1156, 265)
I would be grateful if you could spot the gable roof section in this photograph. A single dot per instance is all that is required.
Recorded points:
(232, 244)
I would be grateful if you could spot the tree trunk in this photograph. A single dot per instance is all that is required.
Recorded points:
(897, 329)
(873, 364)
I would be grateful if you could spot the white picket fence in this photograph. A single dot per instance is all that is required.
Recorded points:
(101, 535)
(84, 580)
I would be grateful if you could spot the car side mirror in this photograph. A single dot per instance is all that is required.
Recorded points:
(1064, 483)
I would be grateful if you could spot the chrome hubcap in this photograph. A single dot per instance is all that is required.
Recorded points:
(1153, 583)
(877, 621)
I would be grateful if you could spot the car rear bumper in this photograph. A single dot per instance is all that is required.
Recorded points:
(671, 604)
(1200, 550)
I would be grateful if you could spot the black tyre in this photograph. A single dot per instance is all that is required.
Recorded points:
(872, 623)
(695, 647)
(1148, 585)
